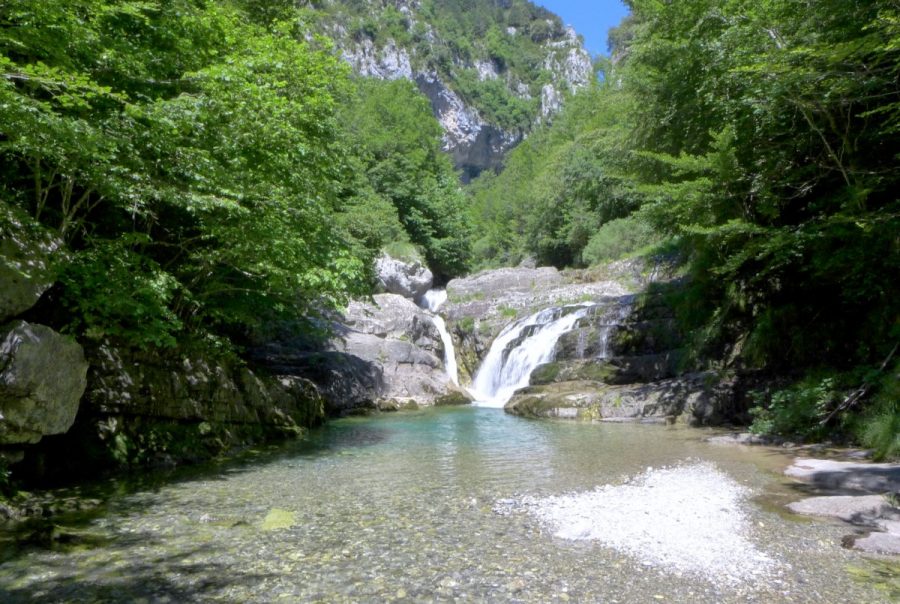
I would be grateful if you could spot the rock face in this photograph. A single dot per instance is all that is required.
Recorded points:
(196, 389)
(407, 279)
(474, 144)
(385, 354)
(401, 339)
(26, 255)
(42, 379)
(434, 64)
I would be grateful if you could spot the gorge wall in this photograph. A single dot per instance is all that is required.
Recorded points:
(488, 82)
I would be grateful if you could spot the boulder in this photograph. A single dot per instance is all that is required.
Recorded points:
(847, 476)
(42, 380)
(391, 316)
(858, 509)
(698, 398)
(27, 251)
(407, 279)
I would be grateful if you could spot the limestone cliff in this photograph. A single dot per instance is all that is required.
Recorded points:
(491, 72)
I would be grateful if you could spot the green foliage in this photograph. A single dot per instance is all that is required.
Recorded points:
(762, 137)
(496, 103)
(191, 160)
(796, 410)
(112, 291)
(558, 187)
(617, 239)
(404, 251)
(879, 426)
(397, 142)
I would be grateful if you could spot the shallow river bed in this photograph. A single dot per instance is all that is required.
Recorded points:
(424, 507)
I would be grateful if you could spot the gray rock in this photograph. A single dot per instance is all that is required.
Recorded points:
(858, 509)
(407, 279)
(502, 282)
(27, 252)
(871, 511)
(196, 388)
(42, 379)
(402, 342)
(392, 316)
(698, 398)
(847, 476)
(877, 542)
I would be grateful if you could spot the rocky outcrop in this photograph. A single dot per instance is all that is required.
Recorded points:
(863, 495)
(196, 388)
(474, 144)
(27, 252)
(401, 339)
(385, 354)
(624, 359)
(407, 279)
(42, 379)
(433, 64)
(481, 305)
(696, 399)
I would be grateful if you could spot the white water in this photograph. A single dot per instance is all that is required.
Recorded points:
(432, 301)
(504, 371)
(449, 352)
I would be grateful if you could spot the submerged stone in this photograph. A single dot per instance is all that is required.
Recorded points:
(279, 519)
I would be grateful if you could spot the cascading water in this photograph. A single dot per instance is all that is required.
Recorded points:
(449, 352)
(520, 348)
(432, 300)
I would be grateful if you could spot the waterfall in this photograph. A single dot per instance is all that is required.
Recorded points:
(432, 300)
(449, 352)
(520, 348)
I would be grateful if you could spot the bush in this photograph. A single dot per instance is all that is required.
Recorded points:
(795, 410)
(618, 238)
(879, 427)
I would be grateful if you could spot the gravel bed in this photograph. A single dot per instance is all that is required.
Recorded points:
(688, 519)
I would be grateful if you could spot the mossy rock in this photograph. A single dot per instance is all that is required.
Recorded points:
(546, 373)
(454, 398)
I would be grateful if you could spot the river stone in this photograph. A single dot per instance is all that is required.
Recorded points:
(42, 379)
(873, 511)
(860, 509)
(878, 542)
(407, 279)
(26, 256)
(847, 476)
(699, 397)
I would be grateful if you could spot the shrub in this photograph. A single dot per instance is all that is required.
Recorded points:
(618, 238)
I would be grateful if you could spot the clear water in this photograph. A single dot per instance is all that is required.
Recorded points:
(401, 508)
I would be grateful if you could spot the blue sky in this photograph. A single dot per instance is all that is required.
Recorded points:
(591, 18)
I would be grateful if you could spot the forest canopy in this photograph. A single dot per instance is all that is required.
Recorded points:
(210, 166)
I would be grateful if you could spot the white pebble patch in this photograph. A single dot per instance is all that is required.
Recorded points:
(688, 519)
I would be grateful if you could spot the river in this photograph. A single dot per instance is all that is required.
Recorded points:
(425, 506)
